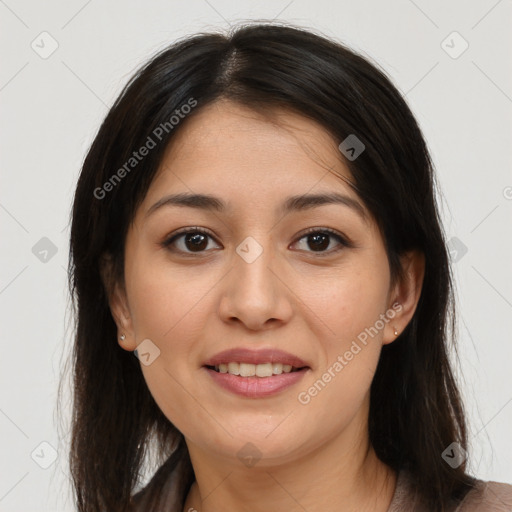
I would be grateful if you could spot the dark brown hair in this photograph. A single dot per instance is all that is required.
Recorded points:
(416, 411)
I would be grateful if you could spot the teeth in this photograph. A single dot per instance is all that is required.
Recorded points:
(233, 368)
(251, 370)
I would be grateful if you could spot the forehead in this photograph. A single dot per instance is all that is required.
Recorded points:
(231, 150)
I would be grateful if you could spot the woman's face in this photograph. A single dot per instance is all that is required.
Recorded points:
(256, 279)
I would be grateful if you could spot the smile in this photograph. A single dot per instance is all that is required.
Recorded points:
(251, 370)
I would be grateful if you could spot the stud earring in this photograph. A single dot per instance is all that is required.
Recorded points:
(396, 332)
(122, 337)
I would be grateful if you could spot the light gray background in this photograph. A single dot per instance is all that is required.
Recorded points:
(52, 107)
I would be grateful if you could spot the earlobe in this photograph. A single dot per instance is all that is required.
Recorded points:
(406, 293)
(118, 304)
(122, 317)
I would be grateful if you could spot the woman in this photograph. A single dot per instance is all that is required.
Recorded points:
(256, 222)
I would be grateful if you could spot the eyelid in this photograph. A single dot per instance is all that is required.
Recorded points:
(192, 229)
(342, 239)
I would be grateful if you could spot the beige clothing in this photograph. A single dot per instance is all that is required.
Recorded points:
(485, 497)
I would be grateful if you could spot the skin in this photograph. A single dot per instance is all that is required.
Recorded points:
(312, 303)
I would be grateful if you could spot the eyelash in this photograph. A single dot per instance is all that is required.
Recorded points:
(344, 242)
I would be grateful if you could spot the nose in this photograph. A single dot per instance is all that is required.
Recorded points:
(255, 292)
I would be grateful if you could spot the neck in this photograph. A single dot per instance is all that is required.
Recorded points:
(340, 476)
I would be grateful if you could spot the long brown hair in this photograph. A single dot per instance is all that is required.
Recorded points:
(416, 411)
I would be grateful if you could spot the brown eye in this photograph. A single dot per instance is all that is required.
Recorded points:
(319, 240)
(190, 241)
(195, 241)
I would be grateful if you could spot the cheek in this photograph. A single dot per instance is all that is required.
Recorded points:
(348, 309)
(167, 305)
(347, 302)
(335, 392)
(170, 309)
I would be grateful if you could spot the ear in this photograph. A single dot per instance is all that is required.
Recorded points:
(405, 294)
(118, 303)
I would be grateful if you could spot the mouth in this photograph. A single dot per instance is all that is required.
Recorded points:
(255, 370)
(265, 362)
(255, 381)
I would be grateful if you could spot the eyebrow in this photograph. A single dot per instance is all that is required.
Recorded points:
(291, 204)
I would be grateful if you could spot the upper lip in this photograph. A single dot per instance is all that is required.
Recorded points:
(244, 355)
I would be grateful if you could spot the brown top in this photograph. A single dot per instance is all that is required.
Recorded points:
(485, 497)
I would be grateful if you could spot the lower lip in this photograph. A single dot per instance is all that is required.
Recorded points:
(256, 387)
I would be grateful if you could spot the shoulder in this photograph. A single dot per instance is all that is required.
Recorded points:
(166, 490)
(487, 497)
(157, 495)
(483, 497)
